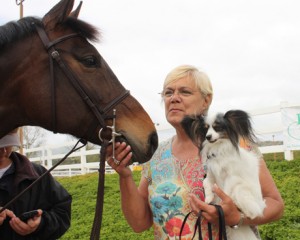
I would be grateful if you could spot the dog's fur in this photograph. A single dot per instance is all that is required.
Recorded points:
(232, 168)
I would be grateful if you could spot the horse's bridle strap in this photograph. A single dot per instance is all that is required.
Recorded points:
(45, 39)
(54, 54)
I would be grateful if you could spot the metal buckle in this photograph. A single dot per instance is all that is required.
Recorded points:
(113, 136)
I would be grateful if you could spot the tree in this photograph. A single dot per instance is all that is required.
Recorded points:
(33, 136)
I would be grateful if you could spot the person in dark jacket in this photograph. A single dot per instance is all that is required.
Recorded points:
(48, 197)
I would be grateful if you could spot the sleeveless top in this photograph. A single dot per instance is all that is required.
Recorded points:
(170, 182)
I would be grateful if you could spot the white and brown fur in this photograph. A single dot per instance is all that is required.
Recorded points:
(234, 169)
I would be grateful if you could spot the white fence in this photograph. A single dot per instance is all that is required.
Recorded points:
(50, 154)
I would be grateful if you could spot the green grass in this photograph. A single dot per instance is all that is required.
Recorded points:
(114, 226)
(84, 191)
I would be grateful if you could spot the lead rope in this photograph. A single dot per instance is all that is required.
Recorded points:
(222, 227)
(95, 233)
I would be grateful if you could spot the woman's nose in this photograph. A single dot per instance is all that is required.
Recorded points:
(175, 97)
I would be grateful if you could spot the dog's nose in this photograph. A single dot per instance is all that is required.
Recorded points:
(208, 137)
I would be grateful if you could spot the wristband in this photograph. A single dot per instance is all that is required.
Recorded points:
(240, 223)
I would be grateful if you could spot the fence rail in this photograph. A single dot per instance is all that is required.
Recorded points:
(87, 160)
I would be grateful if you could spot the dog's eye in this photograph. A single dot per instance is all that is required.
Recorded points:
(218, 128)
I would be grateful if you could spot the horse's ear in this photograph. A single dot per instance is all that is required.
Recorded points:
(75, 13)
(58, 14)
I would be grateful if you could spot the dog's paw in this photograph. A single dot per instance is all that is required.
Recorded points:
(254, 209)
(211, 155)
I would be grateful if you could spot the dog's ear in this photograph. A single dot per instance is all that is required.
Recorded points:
(240, 122)
(194, 127)
(187, 123)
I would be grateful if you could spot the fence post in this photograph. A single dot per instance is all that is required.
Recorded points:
(288, 155)
(49, 158)
(43, 158)
(83, 160)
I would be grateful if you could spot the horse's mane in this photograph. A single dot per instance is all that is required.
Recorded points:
(16, 30)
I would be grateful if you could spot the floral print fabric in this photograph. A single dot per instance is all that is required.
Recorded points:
(170, 182)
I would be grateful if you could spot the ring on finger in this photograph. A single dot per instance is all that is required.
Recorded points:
(117, 162)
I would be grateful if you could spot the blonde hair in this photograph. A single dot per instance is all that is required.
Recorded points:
(200, 78)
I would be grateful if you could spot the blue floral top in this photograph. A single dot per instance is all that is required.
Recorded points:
(170, 182)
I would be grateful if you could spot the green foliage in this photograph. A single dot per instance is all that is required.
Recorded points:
(286, 176)
(114, 226)
(84, 192)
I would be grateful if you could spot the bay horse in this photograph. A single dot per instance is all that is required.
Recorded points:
(53, 77)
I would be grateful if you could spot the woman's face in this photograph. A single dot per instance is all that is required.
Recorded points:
(181, 98)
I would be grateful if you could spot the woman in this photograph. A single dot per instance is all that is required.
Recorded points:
(48, 197)
(171, 182)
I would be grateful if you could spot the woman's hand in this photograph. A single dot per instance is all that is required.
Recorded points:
(24, 228)
(122, 159)
(209, 212)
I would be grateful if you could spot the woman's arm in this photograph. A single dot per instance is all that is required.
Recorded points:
(134, 200)
(274, 203)
(135, 204)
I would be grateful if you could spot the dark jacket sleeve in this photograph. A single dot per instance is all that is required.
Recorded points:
(56, 206)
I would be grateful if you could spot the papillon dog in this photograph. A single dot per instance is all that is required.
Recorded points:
(234, 169)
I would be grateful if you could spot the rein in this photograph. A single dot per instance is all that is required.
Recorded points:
(222, 227)
(101, 116)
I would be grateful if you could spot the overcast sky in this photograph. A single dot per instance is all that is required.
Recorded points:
(249, 49)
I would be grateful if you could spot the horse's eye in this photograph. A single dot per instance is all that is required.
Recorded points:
(90, 61)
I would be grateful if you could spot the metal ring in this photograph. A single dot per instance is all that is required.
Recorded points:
(99, 134)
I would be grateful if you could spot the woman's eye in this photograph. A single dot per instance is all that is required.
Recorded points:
(168, 93)
(185, 93)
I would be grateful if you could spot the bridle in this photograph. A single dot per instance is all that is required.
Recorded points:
(100, 114)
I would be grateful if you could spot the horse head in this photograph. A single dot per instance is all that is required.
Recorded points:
(53, 77)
